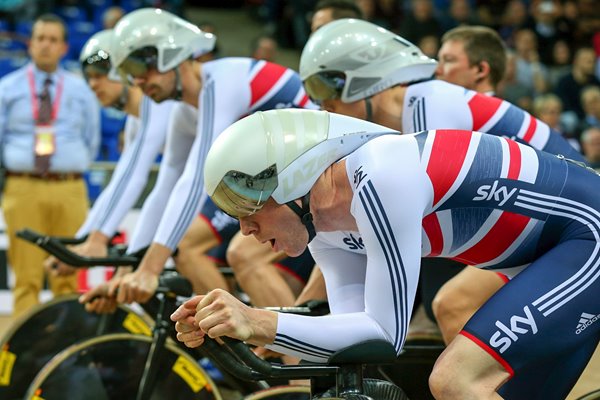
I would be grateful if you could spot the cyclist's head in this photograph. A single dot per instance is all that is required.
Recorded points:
(98, 69)
(279, 154)
(149, 42)
(351, 60)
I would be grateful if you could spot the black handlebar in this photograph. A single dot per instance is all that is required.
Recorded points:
(236, 358)
(57, 247)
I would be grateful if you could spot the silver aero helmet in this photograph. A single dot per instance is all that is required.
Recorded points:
(95, 55)
(279, 154)
(154, 38)
(351, 59)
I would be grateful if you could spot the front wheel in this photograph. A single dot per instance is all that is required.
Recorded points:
(110, 367)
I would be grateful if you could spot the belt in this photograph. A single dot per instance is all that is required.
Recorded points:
(48, 176)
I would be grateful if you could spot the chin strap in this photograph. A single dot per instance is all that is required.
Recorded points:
(369, 109)
(122, 101)
(305, 215)
(177, 91)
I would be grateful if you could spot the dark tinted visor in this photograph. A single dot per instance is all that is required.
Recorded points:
(139, 62)
(325, 86)
(239, 194)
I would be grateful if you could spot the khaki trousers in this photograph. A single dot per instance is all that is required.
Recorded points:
(56, 208)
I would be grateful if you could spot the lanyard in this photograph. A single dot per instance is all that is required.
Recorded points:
(34, 97)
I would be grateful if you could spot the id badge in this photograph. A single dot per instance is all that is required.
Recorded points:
(44, 140)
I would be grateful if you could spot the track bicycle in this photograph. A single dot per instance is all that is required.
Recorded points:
(34, 338)
(116, 366)
(412, 356)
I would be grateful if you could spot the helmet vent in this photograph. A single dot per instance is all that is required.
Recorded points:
(358, 85)
(170, 54)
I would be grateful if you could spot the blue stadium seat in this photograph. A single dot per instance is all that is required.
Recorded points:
(8, 65)
(72, 14)
(24, 28)
(112, 123)
(79, 33)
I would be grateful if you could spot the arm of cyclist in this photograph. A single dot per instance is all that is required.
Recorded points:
(140, 285)
(186, 197)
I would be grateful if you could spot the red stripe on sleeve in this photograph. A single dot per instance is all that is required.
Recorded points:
(504, 232)
(483, 108)
(303, 101)
(265, 80)
(531, 129)
(514, 166)
(446, 160)
(490, 351)
(432, 228)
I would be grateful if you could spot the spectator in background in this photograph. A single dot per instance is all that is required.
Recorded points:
(545, 15)
(510, 89)
(569, 87)
(530, 72)
(429, 45)
(12, 11)
(473, 57)
(49, 130)
(111, 16)
(264, 48)
(329, 10)
(420, 22)
(209, 27)
(548, 108)
(514, 18)
(384, 13)
(590, 101)
(560, 64)
(488, 12)
(459, 13)
(590, 144)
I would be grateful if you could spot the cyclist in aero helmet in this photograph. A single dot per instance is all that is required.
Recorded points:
(357, 68)
(364, 60)
(150, 39)
(156, 52)
(357, 176)
(145, 131)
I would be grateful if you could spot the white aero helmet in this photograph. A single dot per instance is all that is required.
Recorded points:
(151, 37)
(351, 59)
(95, 55)
(279, 154)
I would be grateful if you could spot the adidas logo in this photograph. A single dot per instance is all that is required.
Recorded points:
(584, 321)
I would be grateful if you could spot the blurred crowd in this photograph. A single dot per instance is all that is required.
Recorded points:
(553, 46)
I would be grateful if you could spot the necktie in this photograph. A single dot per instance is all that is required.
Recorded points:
(42, 161)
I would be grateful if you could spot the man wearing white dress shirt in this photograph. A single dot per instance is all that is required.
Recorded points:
(49, 135)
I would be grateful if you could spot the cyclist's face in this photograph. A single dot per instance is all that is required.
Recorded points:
(155, 85)
(106, 90)
(278, 225)
(454, 65)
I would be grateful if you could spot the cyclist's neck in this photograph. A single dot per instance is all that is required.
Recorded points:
(134, 99)
(190, 73)
(387, 107)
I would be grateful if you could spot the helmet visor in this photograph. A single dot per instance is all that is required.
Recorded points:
(325, 85)
(239, 194)
(138, 63)
(98, 63)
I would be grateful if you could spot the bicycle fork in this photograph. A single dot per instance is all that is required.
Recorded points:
(159, 337)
